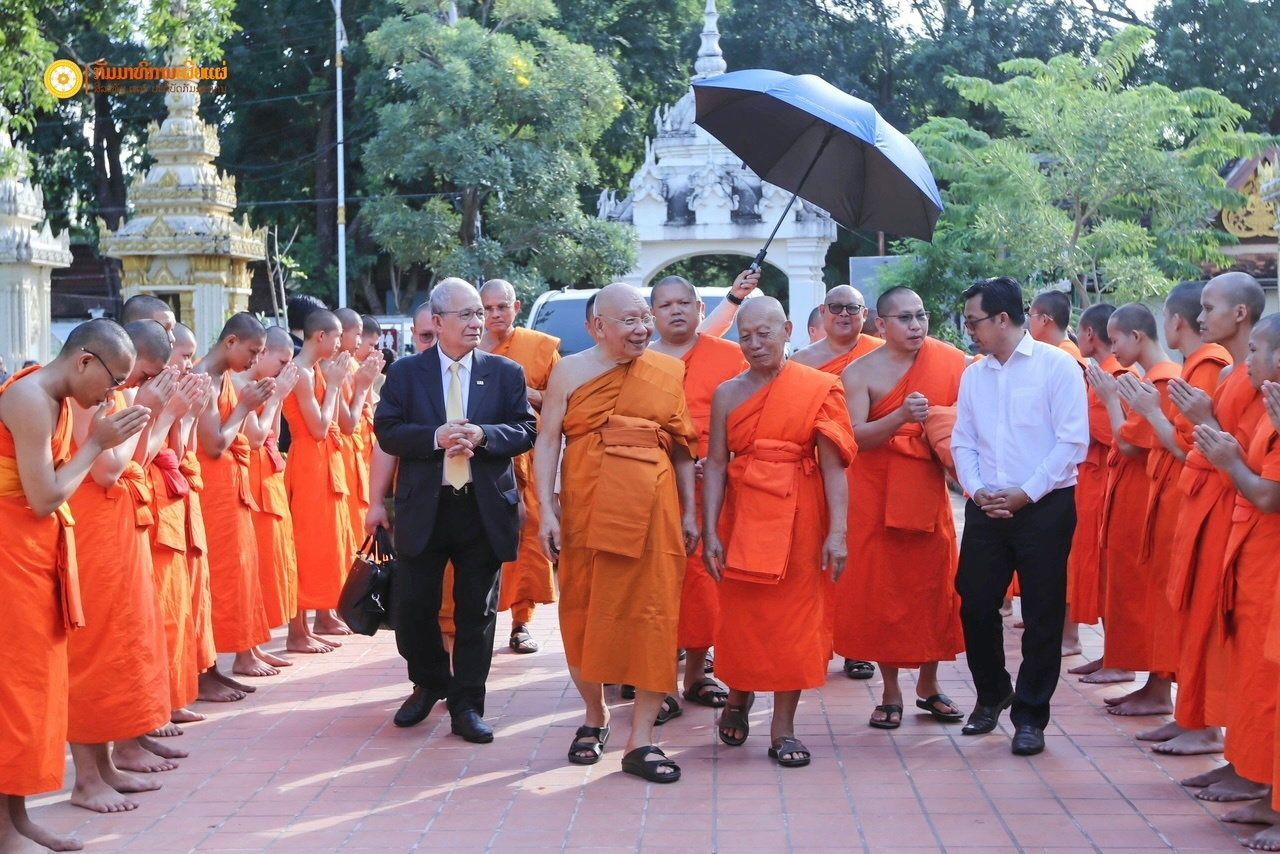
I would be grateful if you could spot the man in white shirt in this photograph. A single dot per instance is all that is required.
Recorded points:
(1021, 428)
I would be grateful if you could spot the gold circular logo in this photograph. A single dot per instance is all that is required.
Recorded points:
(63, 78)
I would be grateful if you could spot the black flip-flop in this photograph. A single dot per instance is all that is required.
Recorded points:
(636, 763)
(580, 744)
(929, 704)
(889, 710)
(669, 709)
(522, 642)
(707, 692)
(855, 669)
(786, 744)
(735, 717)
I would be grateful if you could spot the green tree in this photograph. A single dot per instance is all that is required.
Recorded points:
(484, 151)
(1093, 181)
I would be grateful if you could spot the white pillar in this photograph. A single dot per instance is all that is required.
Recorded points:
(803, 265)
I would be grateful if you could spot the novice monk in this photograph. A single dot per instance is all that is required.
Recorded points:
(708, 362)
(629, 520)
(527, 581)
(901, 515)
(784, 526)
(272, 522)
(1251, 573)
(1129, 573)
(1230, 306)
(317, 481)
(366, 366)
(844, 312)
(38, 569)
(239, 617)
(119, 685)
(1050, 318)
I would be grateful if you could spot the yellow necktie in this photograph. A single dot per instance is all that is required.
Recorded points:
(457, 470)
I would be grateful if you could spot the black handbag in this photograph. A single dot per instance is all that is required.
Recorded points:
(365, 603)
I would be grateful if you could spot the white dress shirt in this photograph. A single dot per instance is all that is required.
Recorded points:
(1024, 423)
(446, 377)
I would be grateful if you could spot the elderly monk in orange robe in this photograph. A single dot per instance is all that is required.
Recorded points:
(627, 501)
(118, 664)
(788, 429)
(1231, 305)
(38, 568)
(1128, 577)
(239, 616)
(317, 482)
(708, 362)
(901, 513)
(1249, 584)
(272, 522)
(527, 581)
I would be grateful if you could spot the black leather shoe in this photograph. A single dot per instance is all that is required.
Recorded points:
(983, 719)
(1028, 740)
(415, 709)
(468, 724)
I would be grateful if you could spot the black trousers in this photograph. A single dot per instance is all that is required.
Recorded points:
(1035, 543)
(458, 537)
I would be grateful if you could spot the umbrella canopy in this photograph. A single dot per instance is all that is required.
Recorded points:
(832, 149)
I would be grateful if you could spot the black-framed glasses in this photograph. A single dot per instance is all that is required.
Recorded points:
(116, 382)
(849, 308)
(971, 325)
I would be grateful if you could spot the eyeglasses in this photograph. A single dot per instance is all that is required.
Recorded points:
(1036, 314)
(849, 308)
(466, 315)
(971, 325)
(918, 317)
(116, 382)
(632, 323)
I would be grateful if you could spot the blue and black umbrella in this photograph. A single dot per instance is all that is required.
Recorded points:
(804, 135)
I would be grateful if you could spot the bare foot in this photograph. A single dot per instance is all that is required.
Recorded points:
(327, 623)
(130, 755)
(1070, 648)
(231, 683)
(41, 836)
(212, 690)
(269, 659)
(100, 797)
(247, 665)
(1235, 788)
(169, 730)
(1164, 732)
(1122, 698)
(1193, 743)
(1208, 778)
(127, 784)
(1264, 840)
(308, 644)
(13, 842)
(163, 750)
(1258, 813)
(1086, 668)
(1140, 706)
(1108, 675)
(185, 716)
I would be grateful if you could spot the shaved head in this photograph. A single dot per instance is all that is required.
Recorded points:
(184, 337)
(617, 297)
(1240, 289)
(243, 325)
(370, 325)
(279, 339)
(318, 321)
(106, 338)
(845, 293)
(1135, 317)
(1095, 319)
(1184, 301)
(844, 311)
(1268, 330)
(1054, 305)
(150, 340)
(349, 318)
(889, 300)
(591, 306)
(498, 287)
(762, 308)
(144, 307)
(674, 282)
(763, 330)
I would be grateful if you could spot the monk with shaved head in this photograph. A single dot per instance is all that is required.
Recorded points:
(626, 520)
(146, 307)
(775, 525)
(1049, 320)
(39, 471)
(365, 368)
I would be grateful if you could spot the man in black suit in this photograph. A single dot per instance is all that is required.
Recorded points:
(454, 416)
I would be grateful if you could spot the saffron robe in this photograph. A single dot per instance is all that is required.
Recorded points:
(239, 617)
(772, 634)
(864, 345)
(273, 530)
(897, 602)
(1164, 506)
(1126, 578)
(317, 481)
(119, 662)
(38, 578)
(1197, 566)
(708, 363)
(622, 554)
(1249, 592)
(169, 489)
(198, 565)
(355, 462)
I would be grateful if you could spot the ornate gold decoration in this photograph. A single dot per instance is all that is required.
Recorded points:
(1258, 217)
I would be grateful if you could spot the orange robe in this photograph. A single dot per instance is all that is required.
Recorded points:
(38, 581)
(1196, 570)
(1084, 565)
(901, 517)
(169, 489)
(1069, 346)
(1127, 576)
(773, 635)
(119, 662)
(273, 529)
(622, 558)
(1251, 572)
(1164, 505)
(355, 464)
(708, 363)
(239, 618)
(864, 345)
(198, 565)
(317, 481)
